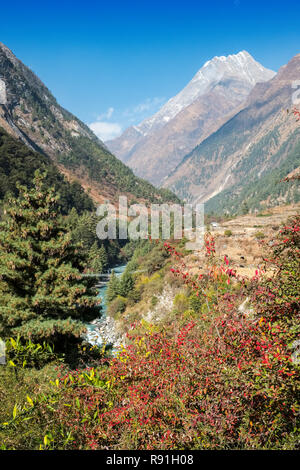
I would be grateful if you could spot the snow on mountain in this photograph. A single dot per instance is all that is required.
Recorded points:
(240, 66)
(218, 91)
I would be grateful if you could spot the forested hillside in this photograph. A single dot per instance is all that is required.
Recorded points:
(18, 164)
(264, 190)
(32, 114)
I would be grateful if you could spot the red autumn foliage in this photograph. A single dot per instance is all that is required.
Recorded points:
(225, 380)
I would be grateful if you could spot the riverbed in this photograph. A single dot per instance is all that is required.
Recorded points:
(102, 330)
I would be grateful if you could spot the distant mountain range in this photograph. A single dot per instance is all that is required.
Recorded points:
(157, 145)
(245, 159)
(226, 139)
(30, 113)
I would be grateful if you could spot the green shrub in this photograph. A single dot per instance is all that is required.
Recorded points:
(195, 303)
(28, 354)
(266, 214)
(118, 305)
(135, 295)
(228, 233)
(181, 303)
(259, 235)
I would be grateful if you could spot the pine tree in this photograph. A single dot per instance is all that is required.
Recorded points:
(85, 230)
(97, 258)
(126, 284)
(245, 208)
(72, 218)
(113, 287)
(42, 292)
(103, 257)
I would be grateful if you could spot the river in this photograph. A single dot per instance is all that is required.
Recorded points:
(102, 330)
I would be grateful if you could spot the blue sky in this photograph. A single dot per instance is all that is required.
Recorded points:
(116, 62)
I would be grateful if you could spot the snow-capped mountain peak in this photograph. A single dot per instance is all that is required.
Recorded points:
(241, 67)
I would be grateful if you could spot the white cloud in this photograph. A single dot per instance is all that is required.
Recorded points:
(106, 130)
(107, 115)
(149, 105)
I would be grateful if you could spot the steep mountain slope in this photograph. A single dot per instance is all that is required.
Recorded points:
(159, 143)
(253, 149)
(18, 164)
(29, 112)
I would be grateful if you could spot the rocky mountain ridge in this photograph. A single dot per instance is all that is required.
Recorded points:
(253, 150)
(154, 147)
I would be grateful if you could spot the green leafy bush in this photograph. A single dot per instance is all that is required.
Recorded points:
(227, 233)
(259, 235)
(28, 354)
(118, 305)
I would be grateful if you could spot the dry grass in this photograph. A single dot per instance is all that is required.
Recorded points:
(243, 249)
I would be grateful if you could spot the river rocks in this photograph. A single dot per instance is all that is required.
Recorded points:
(246, 308)
(163, 306)
(104, 332)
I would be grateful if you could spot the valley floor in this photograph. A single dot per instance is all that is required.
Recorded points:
(243, 238)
